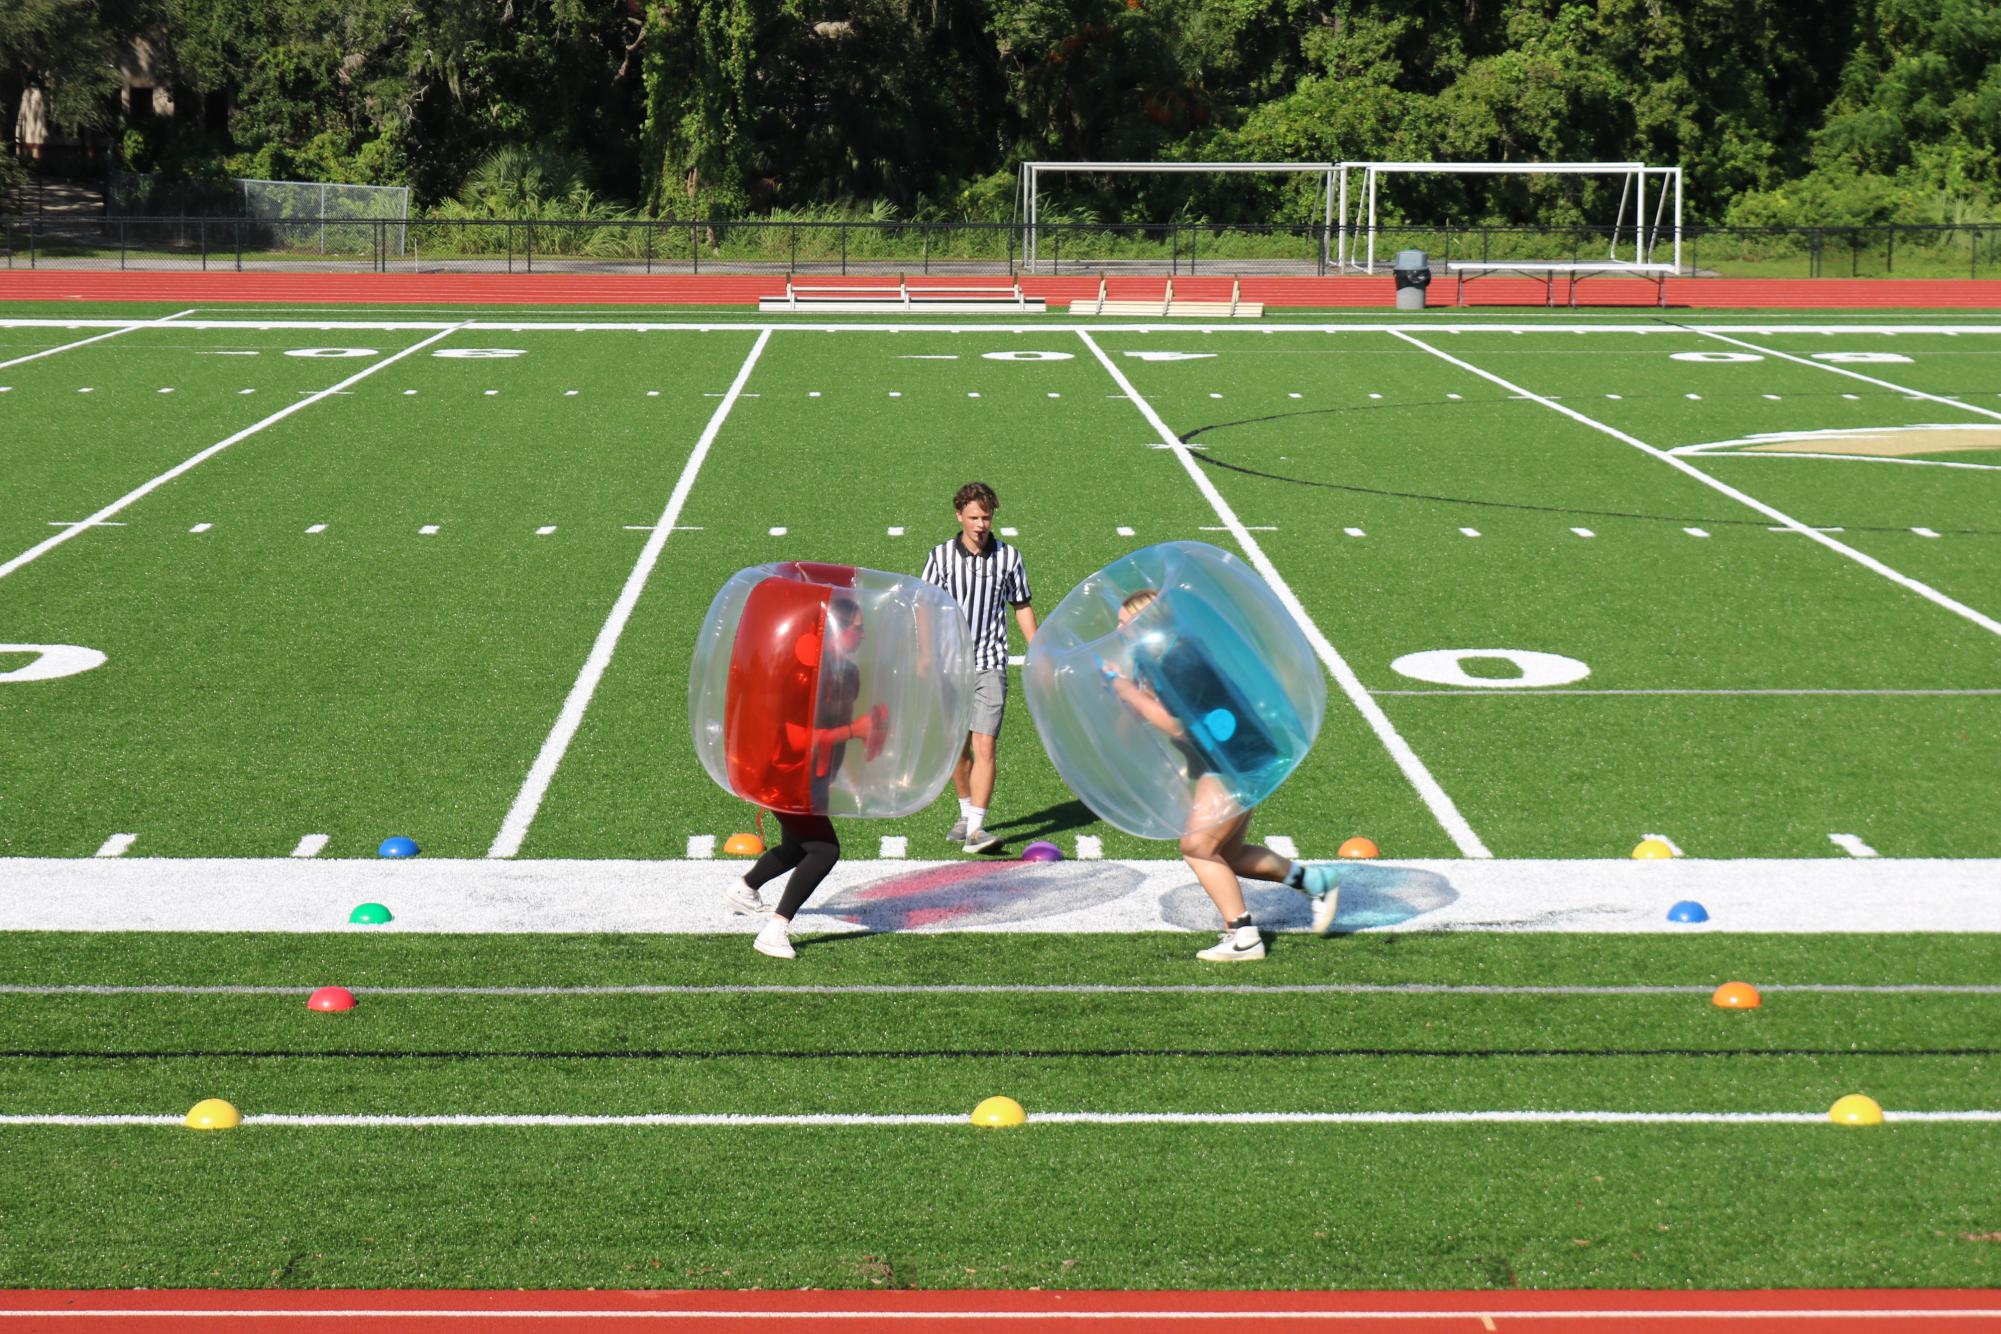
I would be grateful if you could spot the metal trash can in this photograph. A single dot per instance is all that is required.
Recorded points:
(1413, 274)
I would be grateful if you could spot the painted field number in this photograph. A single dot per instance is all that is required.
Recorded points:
(50, 662)
(1516, 669)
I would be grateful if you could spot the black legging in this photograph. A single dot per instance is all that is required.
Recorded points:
(809, 850)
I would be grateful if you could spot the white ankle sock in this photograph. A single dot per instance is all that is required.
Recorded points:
(965, 809)
(976, 817)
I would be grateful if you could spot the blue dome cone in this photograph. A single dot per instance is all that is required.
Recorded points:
(397, 846)
(1688, 910)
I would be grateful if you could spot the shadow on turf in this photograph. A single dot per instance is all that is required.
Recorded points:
(1047, 822)
(980, 893)
(1570, 511)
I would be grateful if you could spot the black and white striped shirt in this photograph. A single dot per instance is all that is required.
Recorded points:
(985, 586)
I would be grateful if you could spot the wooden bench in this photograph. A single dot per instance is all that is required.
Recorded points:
(1236, 308)
(862, 298)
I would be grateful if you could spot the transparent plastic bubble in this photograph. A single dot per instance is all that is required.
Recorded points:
(831, 690)
(1239, 692)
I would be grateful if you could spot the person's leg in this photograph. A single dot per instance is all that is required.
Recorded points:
(980, 778)
(818, 847)
(1206, 853)
(822, 849)
(981, 783)
(962, 773)
(743, 897)
(1206, 848)
(989, 707)
(1316, 881)
(1254, 859)
(962, 784)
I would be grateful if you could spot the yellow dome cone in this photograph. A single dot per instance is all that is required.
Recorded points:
(1857, 1109)
(1651, 849)
(999, 1111)
(213, 1114)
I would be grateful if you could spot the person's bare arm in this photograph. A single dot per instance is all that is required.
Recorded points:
(1024, 616)
(1147, 705)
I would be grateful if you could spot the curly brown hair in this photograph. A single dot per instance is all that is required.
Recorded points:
(973, 491)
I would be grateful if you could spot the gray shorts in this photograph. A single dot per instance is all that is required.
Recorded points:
(989, 701)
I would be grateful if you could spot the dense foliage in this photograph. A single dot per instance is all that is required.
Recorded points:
(1849, 111)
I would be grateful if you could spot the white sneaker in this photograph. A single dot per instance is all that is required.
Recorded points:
(1242, 944)
(1324, 907)
(979, 840)
(743, 900)
(1320, 882)
(957, 833)
(774, 941)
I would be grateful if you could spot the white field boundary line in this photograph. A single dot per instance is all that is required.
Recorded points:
(85, 342)
(528, 802)
(195, 461)
(1853, 375)
(1017, 989)
(1861, 558)
(1238, 1316)
(560, 1120)
(1035, 326)
(1443, 809)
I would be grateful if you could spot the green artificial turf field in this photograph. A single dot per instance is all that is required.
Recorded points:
(313, 661)
(348, 582)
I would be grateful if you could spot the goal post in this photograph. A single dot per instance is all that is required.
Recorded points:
(1028, 204)
(1355, 239)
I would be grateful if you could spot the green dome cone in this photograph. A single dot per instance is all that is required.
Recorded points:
(370, 914)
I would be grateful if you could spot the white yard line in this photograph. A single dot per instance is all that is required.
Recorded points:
(1434, 795)
(186, 465)
(97, 338)
(514, 829)
(1820, 893)
(1237, 1316)
(1923, 590)
(757, 326)
(1853, 375)
(571, 1120)
(1012, 989)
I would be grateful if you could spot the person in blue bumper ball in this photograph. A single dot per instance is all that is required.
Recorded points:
(1203, 728)
(1174, 692)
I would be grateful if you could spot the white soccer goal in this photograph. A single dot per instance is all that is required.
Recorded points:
(1028, 215)
(1631, 231)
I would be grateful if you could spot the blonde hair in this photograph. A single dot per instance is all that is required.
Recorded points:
(1140, 601)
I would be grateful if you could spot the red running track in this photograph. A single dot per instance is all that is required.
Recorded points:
(193, 1311)
(746, 289)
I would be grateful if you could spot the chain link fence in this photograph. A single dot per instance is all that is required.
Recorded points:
(299, 213)
(319, 242)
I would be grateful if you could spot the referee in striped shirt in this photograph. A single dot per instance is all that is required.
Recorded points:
(986, 576)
